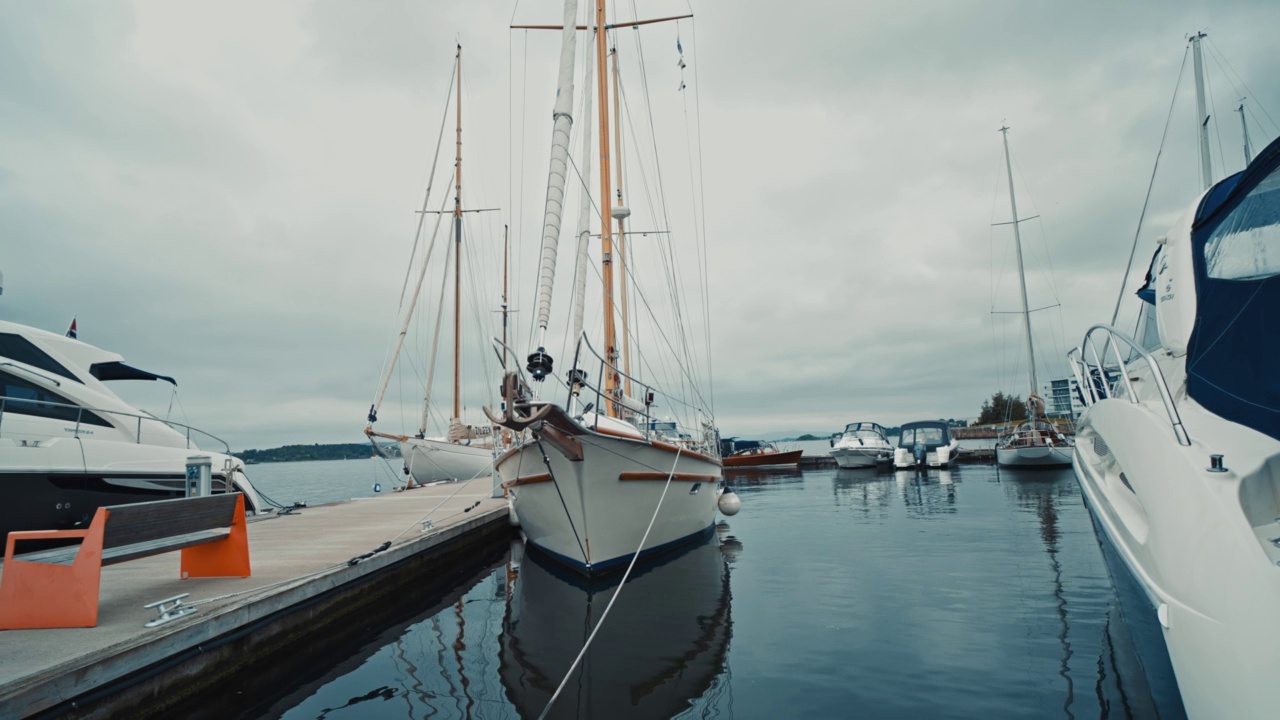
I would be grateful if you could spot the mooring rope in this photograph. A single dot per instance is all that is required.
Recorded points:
(616, 593)
(556, 483)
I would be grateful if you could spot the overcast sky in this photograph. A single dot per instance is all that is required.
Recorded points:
(225, 192)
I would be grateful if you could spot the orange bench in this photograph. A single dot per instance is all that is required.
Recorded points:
(59, 587)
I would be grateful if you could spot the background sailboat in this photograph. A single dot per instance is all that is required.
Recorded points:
(1034, 443)
(464, 451)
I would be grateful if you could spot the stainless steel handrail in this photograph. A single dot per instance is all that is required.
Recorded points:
(1095, 388)
(80, 410)
(650, 419)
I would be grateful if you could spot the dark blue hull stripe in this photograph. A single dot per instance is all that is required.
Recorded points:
(622, 560)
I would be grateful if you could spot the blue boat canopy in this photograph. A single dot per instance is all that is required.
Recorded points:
(1235, 344)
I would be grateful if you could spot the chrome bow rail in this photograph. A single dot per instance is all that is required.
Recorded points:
(8, 405)
(1098, 381)
(650, 424)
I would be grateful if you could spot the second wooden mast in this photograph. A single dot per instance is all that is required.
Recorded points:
(606, 236)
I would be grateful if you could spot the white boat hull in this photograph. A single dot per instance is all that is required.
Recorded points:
(941, 458)
(858, 458)
(432, 460)
(592, 516)
(1038, 456)
(1196, 543)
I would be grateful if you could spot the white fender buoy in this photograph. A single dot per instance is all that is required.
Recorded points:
(511, 514)
(729, 503)
(377, 487)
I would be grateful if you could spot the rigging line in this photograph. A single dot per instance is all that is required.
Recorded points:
(658, 326)
(388, 368)
(546, 461)
(663, 335)
(700, 257)
(1048, 258)
(417, 236)
(1243, 84)
(672, 271)
(621, 583)
(435, 342)
(668, 276)
(1217, 126)
(461, 486)
(1124, 279)
(1257, 122)
(702, 190)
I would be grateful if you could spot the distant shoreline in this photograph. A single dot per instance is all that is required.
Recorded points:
(316, 451)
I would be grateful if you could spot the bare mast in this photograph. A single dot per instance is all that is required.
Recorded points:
(1244, 129)
(506, 257)
(457, 260)
(1022, 276)
(620, 213)
(1202, 117)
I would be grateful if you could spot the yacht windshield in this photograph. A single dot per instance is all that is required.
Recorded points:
(929, 435)
(1246, 244)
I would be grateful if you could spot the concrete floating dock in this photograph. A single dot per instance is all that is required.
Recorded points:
(301, 571)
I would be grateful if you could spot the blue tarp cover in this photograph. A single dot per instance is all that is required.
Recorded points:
(1234, 347)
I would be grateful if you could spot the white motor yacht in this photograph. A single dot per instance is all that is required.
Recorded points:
(69, 445)
(1178, 452)
(863, 444)
(925, 444)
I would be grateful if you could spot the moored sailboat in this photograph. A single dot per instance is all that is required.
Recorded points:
(465, 451)
(1034, 443)
(598, 478)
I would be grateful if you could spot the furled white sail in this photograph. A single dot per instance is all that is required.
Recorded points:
(559, 171)
(584, 211)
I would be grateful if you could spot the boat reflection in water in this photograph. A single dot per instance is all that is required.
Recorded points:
(1119, 685)
(925, 494)
(664, 645)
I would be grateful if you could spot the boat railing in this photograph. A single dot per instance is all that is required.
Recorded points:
(129, 419)
(649, 394)
(1092, 377)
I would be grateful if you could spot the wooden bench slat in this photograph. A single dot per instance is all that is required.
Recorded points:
(125, 553)
(144, 522)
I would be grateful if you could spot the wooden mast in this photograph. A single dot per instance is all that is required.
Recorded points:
(621, 217)
(457, 260)
(506, 255)
(606, 237)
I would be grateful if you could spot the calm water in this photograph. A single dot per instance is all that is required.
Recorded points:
(965, 593)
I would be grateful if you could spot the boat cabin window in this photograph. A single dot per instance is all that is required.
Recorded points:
(15, 347)
(26, 398)
(1246, 244)
(929, 435)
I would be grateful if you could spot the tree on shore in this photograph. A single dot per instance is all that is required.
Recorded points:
(1002, 408)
